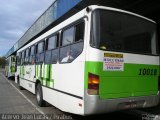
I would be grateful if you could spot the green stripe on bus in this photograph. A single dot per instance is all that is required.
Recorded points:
(39, 66)
(117, 84)
(44, 74)
(51, 84)
(44, 82)
(13, 69)
(36, 70)
(45, 77)
(48, 83)
(40, 70)
(20, 71)
(23, 72)
(49, 69)
(51, 79)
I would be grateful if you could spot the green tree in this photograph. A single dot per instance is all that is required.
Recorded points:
(2, 62)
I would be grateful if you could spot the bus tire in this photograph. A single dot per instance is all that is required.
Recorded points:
(39, 96)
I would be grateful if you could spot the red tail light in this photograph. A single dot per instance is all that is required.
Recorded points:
(93, 84)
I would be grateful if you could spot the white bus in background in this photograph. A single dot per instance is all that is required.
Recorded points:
(99, 60)
(10, 67)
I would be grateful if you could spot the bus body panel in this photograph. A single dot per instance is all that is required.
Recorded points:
(67, 89)
(62, 101)
(129, 88)
(95, 105)
(135, 85)
(129, 82)
(70, 76)
(30, 86)
(62, 84)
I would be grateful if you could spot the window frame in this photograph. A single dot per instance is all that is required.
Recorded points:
(62, 35)
(37, 54)
(70, 26)
(57, 35)
(27, 62)
(57, 38)
(34, 49)
(41, 41)
(74, 24)
(122, 51)
(23, 59)
(19, 57)
(31, 56)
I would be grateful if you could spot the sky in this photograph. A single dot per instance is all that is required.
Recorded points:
(16, 16)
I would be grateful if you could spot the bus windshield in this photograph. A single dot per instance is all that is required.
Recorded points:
(122, 32)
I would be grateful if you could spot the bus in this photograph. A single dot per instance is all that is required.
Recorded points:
(99, 60)
(10, 67)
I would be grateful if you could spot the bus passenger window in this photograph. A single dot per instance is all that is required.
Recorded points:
(79, 38)
(40, 52)
(67, 53)
(23, 56)
(68, 36)
(40, 47)
(52, 42)
(79, 32)
(73, 49)
(19, 59)
(51, 49)
(32, 50)
(27, 56)
(32, 55)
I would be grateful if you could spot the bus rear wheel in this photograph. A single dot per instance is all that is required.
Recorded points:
(39, 96)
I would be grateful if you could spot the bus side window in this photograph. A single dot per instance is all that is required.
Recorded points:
(19, 59)
(40, 52)
(79, 35)
(32, 55)
(77, 47)
(67, 40)
(22, 58)
(27, 56)
(72, 43)
(68, 36)
(51, 54)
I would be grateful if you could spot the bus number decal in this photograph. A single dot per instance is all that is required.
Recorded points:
(145, 71)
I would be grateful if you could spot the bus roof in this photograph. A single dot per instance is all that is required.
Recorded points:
(120, 10)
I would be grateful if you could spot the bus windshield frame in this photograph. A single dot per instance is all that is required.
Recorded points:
(123, 32)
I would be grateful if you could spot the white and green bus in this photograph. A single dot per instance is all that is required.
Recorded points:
(99, 60)
(10, 67)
